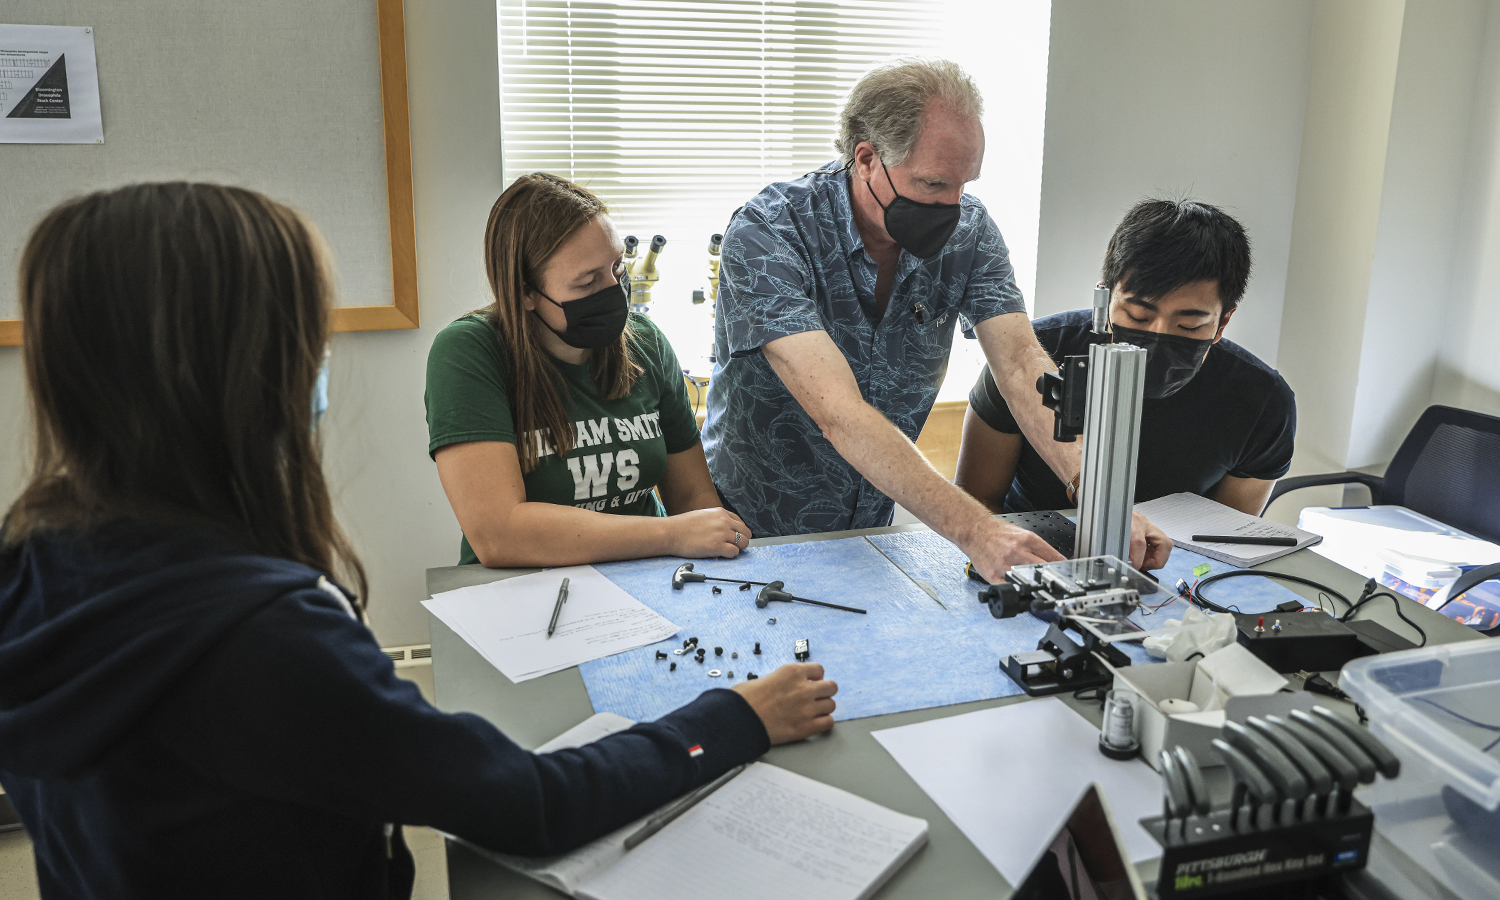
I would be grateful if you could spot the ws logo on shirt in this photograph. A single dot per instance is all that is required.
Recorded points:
(591, 471)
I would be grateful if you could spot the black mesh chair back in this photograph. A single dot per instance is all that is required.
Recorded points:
(1449, 468)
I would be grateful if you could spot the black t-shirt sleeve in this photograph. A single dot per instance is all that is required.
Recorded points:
(990, 406)
(300, 705)
(1268, 450)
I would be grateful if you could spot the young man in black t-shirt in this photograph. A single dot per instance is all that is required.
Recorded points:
(1216, 420)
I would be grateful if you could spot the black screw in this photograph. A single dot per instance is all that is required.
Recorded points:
(745, 586)
(699, 659)
(751, 677)
(718, 651)
(717, 589)
(661, 655)
(674, 668)
(757, 648)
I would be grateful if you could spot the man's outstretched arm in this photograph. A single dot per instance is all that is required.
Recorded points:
(818, 376)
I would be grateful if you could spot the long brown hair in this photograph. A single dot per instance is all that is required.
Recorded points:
(173, 334)
(534, 216)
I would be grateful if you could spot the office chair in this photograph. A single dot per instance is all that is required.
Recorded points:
(1448, 468)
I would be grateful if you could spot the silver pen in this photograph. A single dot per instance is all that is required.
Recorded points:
(562, 597)
(667, 816)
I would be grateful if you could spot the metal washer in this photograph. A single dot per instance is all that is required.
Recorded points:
(714, 673)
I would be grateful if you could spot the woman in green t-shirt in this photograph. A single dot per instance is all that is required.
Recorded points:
(554, 412)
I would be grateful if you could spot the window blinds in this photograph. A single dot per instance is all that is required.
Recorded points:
(677, 112)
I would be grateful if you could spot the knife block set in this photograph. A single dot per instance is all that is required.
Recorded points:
(1291, 819)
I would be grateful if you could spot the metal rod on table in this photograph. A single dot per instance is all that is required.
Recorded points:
(829, 605)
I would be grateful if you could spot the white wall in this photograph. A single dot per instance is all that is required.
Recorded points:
(1173, 98)
(1354, 53)
(1404, 333)
(1468, 366)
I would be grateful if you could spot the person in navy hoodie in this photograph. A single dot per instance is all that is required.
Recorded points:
(190, 704)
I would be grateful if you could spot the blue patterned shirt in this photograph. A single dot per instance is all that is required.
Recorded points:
(793, 261)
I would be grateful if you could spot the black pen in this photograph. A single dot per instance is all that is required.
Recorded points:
(562, 597)
(1239, 539)
(667, 816)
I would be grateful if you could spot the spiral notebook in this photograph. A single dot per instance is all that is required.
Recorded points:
(768, 834)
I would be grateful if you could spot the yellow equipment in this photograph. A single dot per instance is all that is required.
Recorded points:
(643, 272)
(715, 244)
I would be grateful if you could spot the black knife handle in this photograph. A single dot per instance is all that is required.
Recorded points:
(1283, 772)
(1335, 736)
(1319, 779)
(1343, 769)
(1385, 760)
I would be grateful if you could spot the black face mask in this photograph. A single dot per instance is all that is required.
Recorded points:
(920, 229)
(1171, 359)
(594, 321)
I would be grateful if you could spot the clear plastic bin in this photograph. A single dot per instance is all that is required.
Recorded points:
(1438, 709)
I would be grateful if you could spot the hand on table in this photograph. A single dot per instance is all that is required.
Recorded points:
(707, 532)
(1149, 546)
(793, 702)
(1001, 545)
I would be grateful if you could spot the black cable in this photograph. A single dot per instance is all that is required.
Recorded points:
(1317, 684)
(1373, 590)
(1195, 593)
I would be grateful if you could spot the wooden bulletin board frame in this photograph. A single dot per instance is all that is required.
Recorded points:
(404, 311)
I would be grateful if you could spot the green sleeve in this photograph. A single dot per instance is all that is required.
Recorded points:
(468, 397)
(679, 428)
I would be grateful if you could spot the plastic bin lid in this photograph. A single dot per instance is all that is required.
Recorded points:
(1438, 703)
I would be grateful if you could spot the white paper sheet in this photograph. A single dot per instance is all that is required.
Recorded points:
(49, 85)
(506, 621)
(1008, 776)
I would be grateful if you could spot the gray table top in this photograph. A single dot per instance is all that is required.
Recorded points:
(536, 711)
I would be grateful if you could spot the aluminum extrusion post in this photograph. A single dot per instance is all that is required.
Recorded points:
(1111, 438)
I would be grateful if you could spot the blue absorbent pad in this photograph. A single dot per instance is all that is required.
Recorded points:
(907, 653)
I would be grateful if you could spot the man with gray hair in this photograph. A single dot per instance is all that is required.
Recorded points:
(838, 297)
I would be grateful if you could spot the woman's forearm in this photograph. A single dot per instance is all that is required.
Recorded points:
(549, 534)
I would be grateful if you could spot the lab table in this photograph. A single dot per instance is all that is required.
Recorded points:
(949, 866)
